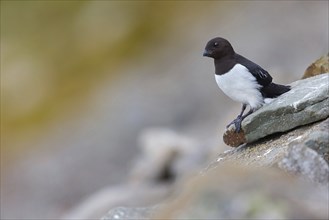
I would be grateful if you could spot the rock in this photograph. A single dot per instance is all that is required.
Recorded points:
(234, 139)
(318, 139)
(165, 156)
(126, 194)
(320, 66)
(246, 183)
(306, 102)
(301, 151)
(129, 213)
(281, 172)
(304, 161)
(237, 192)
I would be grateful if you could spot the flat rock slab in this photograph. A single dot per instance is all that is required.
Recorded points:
(305, 103)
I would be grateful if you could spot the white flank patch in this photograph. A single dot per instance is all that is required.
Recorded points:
(241, 86)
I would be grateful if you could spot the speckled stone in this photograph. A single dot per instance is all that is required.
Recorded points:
(234, 139)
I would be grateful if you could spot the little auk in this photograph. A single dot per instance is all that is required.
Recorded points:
(241, 79)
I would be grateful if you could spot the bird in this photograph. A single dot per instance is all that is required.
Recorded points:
(241, 79)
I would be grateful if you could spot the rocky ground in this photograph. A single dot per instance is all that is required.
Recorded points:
(69, 155)
(278, 168)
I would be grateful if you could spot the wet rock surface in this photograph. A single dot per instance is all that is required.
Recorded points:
(306, 102)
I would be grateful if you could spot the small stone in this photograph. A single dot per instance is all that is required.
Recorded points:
(233, 139)
(304, 161)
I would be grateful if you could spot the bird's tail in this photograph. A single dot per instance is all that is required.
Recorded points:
(274, 90)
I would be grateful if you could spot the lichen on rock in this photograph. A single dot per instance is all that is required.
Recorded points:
(320, 66)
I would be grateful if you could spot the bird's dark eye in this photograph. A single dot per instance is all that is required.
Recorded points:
(216, 44)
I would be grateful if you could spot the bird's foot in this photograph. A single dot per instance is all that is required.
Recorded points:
(237, 123)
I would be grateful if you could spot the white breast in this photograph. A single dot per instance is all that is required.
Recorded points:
(240, 85)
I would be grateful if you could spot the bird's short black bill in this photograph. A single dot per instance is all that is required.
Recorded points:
(206, 53)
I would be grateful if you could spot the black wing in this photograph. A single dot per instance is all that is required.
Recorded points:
(262, 76)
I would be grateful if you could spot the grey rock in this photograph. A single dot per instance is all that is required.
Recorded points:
(129, 213)
(302, 160)
(306, 102)
(245, 182)
(122, 195)
(166, 156)
(318, 139)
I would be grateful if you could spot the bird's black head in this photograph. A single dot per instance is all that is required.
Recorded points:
(218, 48)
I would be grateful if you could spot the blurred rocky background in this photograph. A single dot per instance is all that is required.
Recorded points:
(277, 174)
(88, 87)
